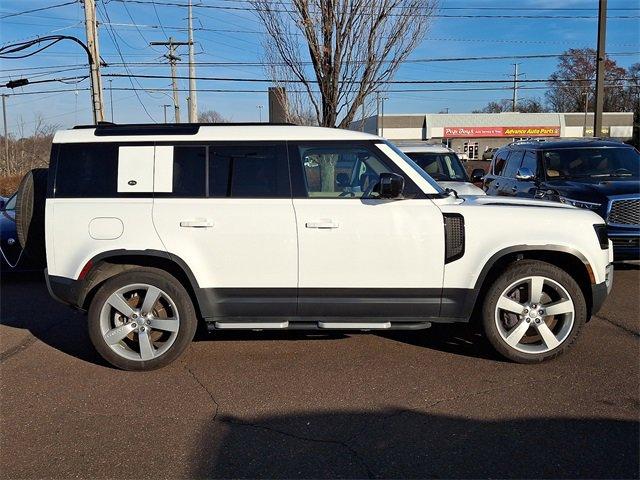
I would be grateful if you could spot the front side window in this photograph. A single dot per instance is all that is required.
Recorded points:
(341, 172)
(440, 166)
(513, 164)
(591, 163)
(260, 171)
(530, 161)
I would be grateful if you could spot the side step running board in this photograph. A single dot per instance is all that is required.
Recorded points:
(355, 325)
(251, 325)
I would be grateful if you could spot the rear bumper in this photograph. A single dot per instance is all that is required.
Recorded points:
(64, 290)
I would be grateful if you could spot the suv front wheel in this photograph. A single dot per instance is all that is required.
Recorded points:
(533, 312)
(141, 320)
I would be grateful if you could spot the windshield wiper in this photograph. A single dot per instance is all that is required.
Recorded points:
(611, 175)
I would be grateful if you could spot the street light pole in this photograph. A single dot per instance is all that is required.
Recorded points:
(600, 61)
(164, 106)
(259, 113)
(111, 97)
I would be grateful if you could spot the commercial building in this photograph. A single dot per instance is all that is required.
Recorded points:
(473, 133)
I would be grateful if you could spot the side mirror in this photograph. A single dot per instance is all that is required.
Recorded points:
(391, 185)
(525, 174)
(477, 175)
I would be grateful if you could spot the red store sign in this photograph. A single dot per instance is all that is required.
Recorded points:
(478, 132)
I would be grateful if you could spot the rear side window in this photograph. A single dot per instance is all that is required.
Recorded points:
(189, 171)
(513, 164)
(238, 171)
(87, 170)
(499, 162)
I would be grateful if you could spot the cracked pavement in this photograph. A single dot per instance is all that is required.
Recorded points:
(436, 403)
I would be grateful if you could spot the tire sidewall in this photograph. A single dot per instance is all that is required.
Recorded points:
(167, 283)
(514, 273)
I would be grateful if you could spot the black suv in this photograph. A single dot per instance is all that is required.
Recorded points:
(601, 175)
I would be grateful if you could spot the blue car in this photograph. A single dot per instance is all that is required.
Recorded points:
(12, 256)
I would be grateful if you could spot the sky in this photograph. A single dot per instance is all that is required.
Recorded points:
(234, 35)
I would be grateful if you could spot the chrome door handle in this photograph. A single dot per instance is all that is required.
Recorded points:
(322, 224)
(196, 223)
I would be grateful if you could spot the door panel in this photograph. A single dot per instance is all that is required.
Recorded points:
(242, 251)
(383, 257)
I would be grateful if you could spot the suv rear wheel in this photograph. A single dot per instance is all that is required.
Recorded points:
(141, 320)
(533, 312)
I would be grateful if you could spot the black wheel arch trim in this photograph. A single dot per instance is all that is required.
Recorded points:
(464, 307)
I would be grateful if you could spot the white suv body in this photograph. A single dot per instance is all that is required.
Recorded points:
(265, 227)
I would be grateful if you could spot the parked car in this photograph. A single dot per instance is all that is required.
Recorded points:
(16, 255)
(488, 153)
(153, 228)
(443, 165)
(593, 174)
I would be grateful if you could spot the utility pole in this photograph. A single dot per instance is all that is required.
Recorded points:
(515, 87)
(600, 61)
(91, 27)
(586, 110)
(382, 118)
(111, 97)
(6, 134)
(173, 58)
(193, 103)
(165, 111)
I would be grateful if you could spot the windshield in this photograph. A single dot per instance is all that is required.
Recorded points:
(591, 163)
(10, 203)
(416, 167)
(441, 166)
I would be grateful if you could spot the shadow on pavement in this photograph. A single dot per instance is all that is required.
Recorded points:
(409, 444)
(26, 304)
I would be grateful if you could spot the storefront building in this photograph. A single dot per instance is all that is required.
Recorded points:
(470, 134)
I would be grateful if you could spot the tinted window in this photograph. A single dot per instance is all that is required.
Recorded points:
(530, 161)
(513, 164)
(340, 172)
(189, 167)
(499, 162)
(87, 170)
(592, 162)
(260, 171)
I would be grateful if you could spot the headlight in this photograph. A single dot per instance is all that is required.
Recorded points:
(580, 203)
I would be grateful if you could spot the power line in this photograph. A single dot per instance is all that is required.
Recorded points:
(397, 82)
(435, 15)
(38, 9)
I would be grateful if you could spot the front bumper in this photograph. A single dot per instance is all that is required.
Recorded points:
(599, 291)
(626, 242)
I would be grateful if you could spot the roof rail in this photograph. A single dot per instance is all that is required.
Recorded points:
(105, 129)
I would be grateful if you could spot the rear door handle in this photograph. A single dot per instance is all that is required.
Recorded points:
(324, 224)
(198, 223)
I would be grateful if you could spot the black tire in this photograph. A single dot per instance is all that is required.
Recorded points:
(163, 281)
(30, 206)
(521, 270)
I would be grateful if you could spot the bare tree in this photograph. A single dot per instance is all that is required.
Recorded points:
(332, 55)
(569, 88)
(211, 116)
(526, 105)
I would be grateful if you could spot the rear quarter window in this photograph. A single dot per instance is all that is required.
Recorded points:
(87, 170)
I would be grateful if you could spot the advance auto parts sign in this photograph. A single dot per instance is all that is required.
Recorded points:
(461, 132)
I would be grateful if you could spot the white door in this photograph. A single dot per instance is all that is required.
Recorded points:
(362, 256)
(229, 217)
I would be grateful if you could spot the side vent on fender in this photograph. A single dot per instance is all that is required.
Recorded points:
(453, 236)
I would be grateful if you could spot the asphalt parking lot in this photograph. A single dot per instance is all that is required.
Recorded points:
(292, 404)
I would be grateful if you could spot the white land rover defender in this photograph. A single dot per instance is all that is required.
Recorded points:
(151, 229)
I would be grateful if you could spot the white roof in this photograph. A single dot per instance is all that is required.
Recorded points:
(426, 148)
(220, 133)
